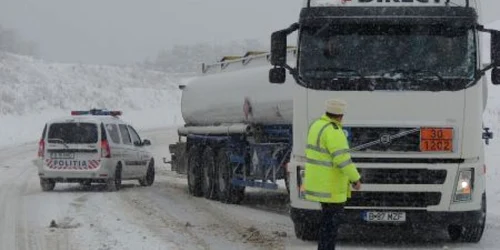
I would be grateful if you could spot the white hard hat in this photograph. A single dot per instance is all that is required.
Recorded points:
(335, 106)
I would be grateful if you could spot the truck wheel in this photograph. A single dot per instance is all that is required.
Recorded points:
(228, 193)
(47, 184)
(194, 172)
(471, 233)
(209, 177)
(115, 183)
(306, 231)
(149, 179)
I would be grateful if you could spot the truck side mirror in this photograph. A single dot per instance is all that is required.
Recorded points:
(495, 48)
(277, 75)
(495, 76)
(278, 48)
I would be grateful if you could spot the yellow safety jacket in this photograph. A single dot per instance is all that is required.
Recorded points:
(329, 169)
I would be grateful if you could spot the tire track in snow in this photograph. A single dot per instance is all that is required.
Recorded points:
(18, 184)
(160, 220)
(209, 218)
(107, 222)
(12, 188)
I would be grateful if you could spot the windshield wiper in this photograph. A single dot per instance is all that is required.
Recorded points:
(54, 140)
(395, 71)
(339, 70)
(443, 82)
(436, 74)
(411, 74)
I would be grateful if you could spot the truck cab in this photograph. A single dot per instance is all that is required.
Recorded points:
(412, 75)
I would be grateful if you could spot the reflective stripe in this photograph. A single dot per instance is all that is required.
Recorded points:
(325, 151)
(321, 163)
(318, 194)
(340, 152)
(317, 149)
(345, 163)
(318, 140)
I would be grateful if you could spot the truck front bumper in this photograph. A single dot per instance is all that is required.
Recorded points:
(413, 217)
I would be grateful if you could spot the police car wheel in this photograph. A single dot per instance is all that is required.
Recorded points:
(47, 184)
(149, 179)
(114, 184)
(86, 183)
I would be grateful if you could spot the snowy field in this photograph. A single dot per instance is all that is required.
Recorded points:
(32, 91)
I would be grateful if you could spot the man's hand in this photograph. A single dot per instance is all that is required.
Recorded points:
(357, 185)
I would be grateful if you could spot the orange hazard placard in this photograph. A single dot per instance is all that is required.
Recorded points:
(436, 139)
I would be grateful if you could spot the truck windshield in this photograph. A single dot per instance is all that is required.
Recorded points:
(377, 51)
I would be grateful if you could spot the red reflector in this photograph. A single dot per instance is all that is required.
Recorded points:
(105, 149)
(103, 175)
(41, 148)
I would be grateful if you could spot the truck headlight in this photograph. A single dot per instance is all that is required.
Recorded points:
(465, 183)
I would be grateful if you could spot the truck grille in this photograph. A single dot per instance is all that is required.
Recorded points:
(402, 176)
(363, 135)
(394, 199)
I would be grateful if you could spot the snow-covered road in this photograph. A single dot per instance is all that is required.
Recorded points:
(164, 216)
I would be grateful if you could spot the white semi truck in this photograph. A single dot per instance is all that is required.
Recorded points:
(416, 89)
(411, 72)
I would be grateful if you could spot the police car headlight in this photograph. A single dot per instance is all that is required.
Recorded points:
(464, 186)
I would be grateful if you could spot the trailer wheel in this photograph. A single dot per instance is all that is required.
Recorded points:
(228, 193)
(209, 177)
(194, 172)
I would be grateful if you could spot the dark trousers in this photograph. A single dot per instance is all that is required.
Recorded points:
(332, 216)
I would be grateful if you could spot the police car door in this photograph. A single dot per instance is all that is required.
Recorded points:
(118, 150)
(139, 153)
(128, 152)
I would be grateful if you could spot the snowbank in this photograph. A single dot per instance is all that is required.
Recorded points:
(32, 91)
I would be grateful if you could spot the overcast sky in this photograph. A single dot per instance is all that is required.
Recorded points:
(126, 31)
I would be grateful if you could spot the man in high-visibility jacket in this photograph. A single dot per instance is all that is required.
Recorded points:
(329, 171)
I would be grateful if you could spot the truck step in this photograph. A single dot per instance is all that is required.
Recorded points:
(259, 184)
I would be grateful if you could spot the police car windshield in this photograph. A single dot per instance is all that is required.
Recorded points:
(375, 49)
(73, 133)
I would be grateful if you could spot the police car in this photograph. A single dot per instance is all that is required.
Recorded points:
(93, 147)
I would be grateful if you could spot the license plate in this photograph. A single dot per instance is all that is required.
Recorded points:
(386, 216)
(62, 155)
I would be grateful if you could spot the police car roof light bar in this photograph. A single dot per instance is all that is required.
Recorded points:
(97, 112)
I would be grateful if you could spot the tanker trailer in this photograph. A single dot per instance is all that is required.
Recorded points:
(238, 129)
